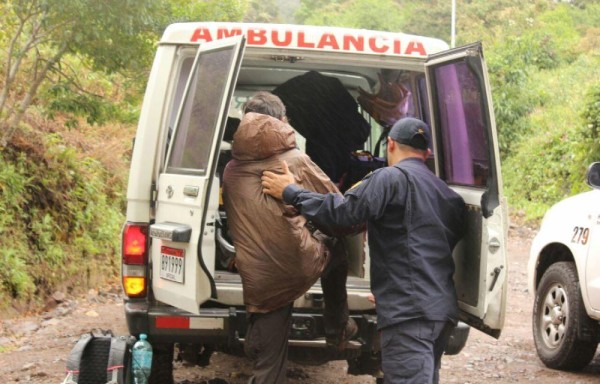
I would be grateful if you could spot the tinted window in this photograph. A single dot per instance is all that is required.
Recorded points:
(423, 101)
(462, 129)
(197, 123)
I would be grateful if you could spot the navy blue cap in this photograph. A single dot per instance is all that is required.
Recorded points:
(412, 132)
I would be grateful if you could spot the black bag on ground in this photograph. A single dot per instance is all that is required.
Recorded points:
(99, 357)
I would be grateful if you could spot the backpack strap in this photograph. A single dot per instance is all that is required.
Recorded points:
(74, 358)
(115, 371)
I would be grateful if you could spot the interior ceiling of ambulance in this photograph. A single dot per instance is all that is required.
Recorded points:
(276, 69)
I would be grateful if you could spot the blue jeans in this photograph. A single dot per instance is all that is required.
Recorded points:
(411, 351)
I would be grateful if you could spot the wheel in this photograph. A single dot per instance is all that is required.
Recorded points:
(557, 314)
(162, 364)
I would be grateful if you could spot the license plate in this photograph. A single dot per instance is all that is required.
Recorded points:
(172, 264)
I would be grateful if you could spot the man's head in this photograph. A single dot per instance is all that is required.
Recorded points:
(265, 103)
(409, 137)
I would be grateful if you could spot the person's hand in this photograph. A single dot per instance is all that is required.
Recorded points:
(371, 298)
(274, 183)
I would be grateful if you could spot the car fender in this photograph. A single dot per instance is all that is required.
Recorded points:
(560, 226)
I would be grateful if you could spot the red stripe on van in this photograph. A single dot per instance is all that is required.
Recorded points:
(173, 322)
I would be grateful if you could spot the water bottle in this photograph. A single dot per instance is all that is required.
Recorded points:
(141, 360)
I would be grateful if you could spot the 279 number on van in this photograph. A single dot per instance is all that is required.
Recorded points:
(580, 235)
(172, 264)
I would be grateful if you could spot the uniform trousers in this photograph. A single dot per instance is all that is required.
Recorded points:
(411, 351)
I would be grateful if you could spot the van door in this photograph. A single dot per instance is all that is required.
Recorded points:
(182, 276)
(467, 158)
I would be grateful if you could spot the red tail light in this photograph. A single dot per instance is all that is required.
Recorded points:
(135, 244)
(135, 259)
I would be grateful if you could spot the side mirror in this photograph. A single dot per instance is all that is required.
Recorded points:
(593, 175)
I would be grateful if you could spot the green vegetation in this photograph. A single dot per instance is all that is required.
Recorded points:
(72, 75)
(61, 216)
(73, 72)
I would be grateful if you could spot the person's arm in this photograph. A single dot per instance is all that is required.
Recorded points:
(330, 210)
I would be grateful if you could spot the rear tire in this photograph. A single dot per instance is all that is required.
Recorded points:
(162, 364)
(558, 311)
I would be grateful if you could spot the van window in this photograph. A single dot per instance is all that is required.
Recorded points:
(464, 160)
(183, 74)
(191, 146)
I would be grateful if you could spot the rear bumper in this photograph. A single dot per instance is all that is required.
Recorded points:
(223, 329)
(166, 324)
(227, 326)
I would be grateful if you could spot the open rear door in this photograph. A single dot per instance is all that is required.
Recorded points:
(181, 275)
(467, 158)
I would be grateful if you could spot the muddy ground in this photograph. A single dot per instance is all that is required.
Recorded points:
(33, 349)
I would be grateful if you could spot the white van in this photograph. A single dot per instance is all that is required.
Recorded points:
(181, 289)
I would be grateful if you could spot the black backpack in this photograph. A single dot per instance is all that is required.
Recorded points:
(99, 357)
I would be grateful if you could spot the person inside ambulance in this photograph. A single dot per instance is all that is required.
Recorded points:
(279, 255)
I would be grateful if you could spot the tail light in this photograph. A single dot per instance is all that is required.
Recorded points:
(135, 259)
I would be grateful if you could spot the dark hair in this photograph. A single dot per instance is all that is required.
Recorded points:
(265, 103)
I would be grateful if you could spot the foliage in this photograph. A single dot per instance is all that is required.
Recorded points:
(110, 35)
(384, 15)
(60, 219)
(591, 115)
(549, 163)
(428, 18)
(207, 10)
(262, 11)
(513, 101)
(77, 63)
(590, 133)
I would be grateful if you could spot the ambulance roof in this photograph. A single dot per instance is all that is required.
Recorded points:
(305, 37)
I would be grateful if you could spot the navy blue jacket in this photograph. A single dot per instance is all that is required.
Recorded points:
(414, 220)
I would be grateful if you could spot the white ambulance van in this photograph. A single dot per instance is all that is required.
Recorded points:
(181, 289)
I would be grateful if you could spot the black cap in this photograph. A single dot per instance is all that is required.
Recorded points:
(412, 132)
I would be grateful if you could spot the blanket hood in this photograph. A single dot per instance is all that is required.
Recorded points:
(261, 136)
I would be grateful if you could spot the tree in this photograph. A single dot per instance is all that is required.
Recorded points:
(262, 11)
(206, 10)
(42, 38)
(382, 15)
(39, 35)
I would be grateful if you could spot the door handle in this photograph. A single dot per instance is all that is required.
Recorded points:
(180, 233)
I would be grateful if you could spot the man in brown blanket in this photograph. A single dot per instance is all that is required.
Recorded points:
(279, 256)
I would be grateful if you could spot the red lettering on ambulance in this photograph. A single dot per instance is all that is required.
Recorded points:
(201, 34)
(328, 40)
(377, 48)
(397, 47)
(257, 37)
(357, 42)
(223, 32)
(416, 47)
(302, 43)
(281, 42)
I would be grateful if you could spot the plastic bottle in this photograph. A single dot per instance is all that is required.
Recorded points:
(141, 360)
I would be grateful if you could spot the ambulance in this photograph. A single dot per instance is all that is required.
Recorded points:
(178, 273)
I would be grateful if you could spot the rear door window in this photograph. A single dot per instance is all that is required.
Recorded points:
(195, 130)
(464, 145)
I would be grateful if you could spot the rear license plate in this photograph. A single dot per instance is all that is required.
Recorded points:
(172, 264)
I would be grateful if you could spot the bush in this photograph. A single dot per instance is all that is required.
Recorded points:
(550, 162)
(60, 227)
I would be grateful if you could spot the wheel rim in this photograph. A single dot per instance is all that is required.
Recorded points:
(554, 319)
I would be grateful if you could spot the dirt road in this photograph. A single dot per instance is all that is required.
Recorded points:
(34, 349)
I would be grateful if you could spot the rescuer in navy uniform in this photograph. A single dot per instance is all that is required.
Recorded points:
(414, 220)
